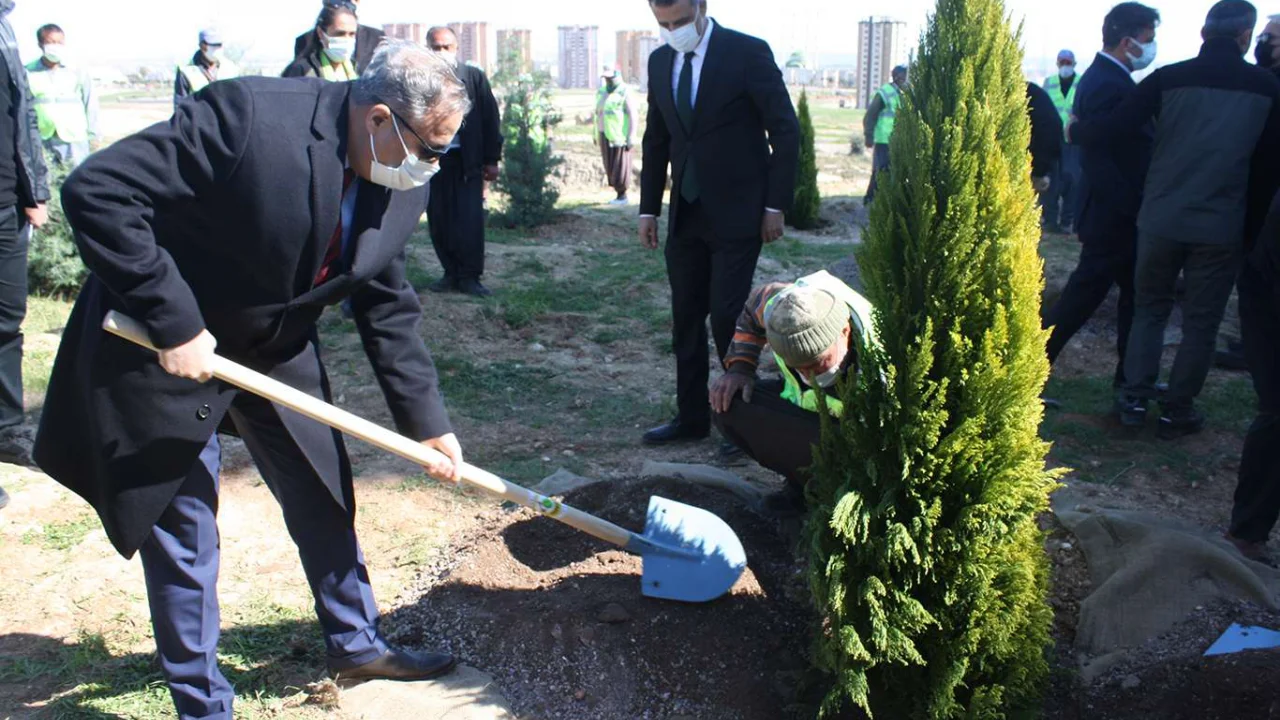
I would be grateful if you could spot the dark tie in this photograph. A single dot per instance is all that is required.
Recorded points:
(333, 253)
(684, 109)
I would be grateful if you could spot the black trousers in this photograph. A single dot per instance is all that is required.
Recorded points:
(1257, 497)
(1104, 262)
(709, 275)
(775, 433)
(14, 233)
(455, 212)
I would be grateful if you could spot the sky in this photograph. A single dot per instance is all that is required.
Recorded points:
(130, 33)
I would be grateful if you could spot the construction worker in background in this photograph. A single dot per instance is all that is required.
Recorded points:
(877, 125)
(206, 66)
(1060, 201)
(66, 106)
(616, 122)
(815, 327)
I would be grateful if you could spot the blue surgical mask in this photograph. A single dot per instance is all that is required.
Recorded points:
(1148, 56)
(339, 49)
(683, 39)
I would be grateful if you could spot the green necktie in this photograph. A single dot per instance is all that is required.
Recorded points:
(684, 109)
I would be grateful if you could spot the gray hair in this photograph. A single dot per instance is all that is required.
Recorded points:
(1229, 19)
(411, 80)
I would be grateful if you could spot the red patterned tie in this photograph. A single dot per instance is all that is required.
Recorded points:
(334, 251)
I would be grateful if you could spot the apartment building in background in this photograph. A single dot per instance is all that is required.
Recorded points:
(523, 42)
(473, 43)
(413, 32)
(881, 45)
(634, 49)
(579, 57)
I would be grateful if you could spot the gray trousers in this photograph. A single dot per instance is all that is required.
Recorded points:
(66, 154)
(1209, 273)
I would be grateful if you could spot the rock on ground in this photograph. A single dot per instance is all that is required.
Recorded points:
(466, 694)
(562, 482)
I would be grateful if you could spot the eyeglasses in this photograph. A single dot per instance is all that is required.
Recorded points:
(428, 153)
(1265, 37)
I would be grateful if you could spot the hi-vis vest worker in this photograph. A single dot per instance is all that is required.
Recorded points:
(206, 66)
(892, 98)
(1063, 102)
(798, 322)
(62, 99)
(614, 120)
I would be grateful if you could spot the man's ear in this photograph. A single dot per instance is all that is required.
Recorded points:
(375, 117)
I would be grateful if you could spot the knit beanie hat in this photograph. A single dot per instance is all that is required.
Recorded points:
(803, 323)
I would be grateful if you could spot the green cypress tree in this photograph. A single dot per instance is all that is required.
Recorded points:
(529, 164)
(926, 561)
(808, 202)
(54, 267)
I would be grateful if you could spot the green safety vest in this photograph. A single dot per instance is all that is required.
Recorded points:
(1064, 103)
(859, 314)
(195, 74)
(59, 101)
(614, 118)
(892, 98)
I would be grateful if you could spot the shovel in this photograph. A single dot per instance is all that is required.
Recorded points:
(689, 554)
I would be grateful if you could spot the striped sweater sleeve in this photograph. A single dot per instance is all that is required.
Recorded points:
(749, 335)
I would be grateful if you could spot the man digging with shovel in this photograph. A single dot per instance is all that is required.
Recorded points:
(814, 327)
(233, 225)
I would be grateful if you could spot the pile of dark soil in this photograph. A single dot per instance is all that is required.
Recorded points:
(558, 619)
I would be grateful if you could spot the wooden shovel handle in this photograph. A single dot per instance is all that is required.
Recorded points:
(320, 411)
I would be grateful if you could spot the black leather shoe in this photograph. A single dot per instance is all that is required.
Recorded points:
(730, 454)
(473, 287)
(677, 431)
(1179, 422)
(4, 499)
(443, 285)
(404, 665)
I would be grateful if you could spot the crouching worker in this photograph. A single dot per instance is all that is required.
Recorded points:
(233, 225)
(814, 326)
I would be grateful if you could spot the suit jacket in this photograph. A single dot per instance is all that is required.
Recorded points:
(1114, 169)
(481, 133)
(33, 176)
(1046, 131)
(742, 111)
(367, 40)
(220, 219)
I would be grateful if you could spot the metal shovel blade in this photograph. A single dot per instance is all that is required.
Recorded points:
(689, 553)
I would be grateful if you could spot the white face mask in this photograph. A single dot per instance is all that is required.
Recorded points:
(1067, 71)
(55, 53)
(828, 378)
(683, 39)
(410, 174)
(339, 49)
(213, 54)
(450, 57)
(1147, 57)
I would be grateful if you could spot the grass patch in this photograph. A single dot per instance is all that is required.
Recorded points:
(269, 653)
(806, 256)
(63, 535)
(45, 315)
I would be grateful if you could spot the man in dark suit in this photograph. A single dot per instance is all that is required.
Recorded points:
(367, 38)
(455, 206)
(233, 225)
(1113, 172)
(717, 106)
